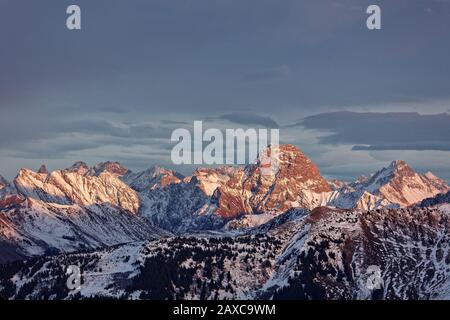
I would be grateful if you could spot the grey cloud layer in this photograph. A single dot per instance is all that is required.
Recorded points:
(383, 131)
(59, 137)
(103, 91)
(249, 119)
(154, 56)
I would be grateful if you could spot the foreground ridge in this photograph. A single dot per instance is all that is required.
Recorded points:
(322, 254)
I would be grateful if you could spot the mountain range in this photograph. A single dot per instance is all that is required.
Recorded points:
(226, 232)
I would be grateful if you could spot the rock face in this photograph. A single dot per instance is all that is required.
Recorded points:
(295, 184)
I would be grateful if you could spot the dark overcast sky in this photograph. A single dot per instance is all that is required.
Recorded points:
(117, 88)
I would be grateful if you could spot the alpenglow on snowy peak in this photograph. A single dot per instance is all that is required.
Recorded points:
(69, 188)
(213, 196)
(401, 185)
(295, 184)
(108, 204)
(394, 186)
(69, 210)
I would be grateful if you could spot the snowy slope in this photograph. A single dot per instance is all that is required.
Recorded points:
(324, 254)
(180, 208)
(36, 227)
(67, 210)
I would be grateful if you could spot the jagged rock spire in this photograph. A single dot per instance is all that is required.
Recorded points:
(43, 169)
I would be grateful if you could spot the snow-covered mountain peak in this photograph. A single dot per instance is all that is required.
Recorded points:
(285, 153)
(43, 169)
(336, 184)
(209, 179)
(399, 183)
(401, 168)
(25, 173)
(296, 183)
(69, 210)
(113, 167)
(212, 196)
(295, 170)
(67, 188)
(157, 170)
(79, 167)
(430, 175)
(151, 178)
(398, 164)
